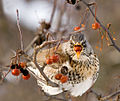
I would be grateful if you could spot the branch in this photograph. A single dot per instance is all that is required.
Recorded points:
(110, 96)
(106, 29)
(36, 64)
(53, 11)
(18, 24)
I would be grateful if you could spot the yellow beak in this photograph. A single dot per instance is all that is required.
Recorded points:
(78, 54)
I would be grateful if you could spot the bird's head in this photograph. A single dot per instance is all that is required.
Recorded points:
(78, 45)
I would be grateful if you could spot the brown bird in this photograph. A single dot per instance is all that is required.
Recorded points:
(75, 71)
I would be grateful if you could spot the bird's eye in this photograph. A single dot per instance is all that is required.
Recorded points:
(64, 70)
(84, 44)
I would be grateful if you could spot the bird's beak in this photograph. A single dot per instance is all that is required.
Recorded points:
(78, 49)
(78, 54)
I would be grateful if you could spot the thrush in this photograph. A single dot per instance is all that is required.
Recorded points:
(77, 68)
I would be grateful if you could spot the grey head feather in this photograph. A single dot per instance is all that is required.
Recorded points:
(80, 38)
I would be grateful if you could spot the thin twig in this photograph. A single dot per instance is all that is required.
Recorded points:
(39, 68)
(36, 76)
(106, 29)
(18, 24)
(60, 17)
(110, 96)
(53, 11)
(5, 76)
(31, 43)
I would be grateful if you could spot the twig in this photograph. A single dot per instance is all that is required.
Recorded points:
(106, 29)
(60, 17)
(53, 11)
(31, 43)
(36, 76)
(5, 76)
(36, 64)
(110, 96)
(18, 24)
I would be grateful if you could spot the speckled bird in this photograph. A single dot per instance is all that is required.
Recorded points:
(77, 61)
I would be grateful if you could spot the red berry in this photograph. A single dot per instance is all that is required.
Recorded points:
(22, 64)
(64, 79)
(95, 26)
(76, 28)
(49, 61)
(55, 58)
(58, 76)
(15, 72)
(26, 77)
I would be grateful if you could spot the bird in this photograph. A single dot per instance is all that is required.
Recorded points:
(77, 62)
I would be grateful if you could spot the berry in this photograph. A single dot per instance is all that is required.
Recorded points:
(22, 64)
(64, 79)
(25, 72)
(26, 77)
(76, 28)
(15, 72)
(12, 66)
(54, 58)
(49, 61)
(95, 26)
(58, 76)
(22, 70)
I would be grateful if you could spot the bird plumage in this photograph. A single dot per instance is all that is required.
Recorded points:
(81, 71)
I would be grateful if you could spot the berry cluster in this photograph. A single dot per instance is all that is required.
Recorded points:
(16, 69)
(61, 77)
(52, 59)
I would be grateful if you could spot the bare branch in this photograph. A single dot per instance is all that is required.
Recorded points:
(36, 64)
(18, 24)
(110, 96)
(53, 11)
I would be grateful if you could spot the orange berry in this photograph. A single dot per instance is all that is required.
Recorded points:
(58, 76)
(114, 38)
(95, 26)
(64, 79)
(15, 72)
(82, 25)
(22, 64)
(54, 58)
(76, 28)
(49, 61)
(26, 77)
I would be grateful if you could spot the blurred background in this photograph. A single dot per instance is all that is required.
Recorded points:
(31, 13)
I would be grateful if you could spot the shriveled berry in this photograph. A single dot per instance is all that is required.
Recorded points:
(12, 66)
(25, 72)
